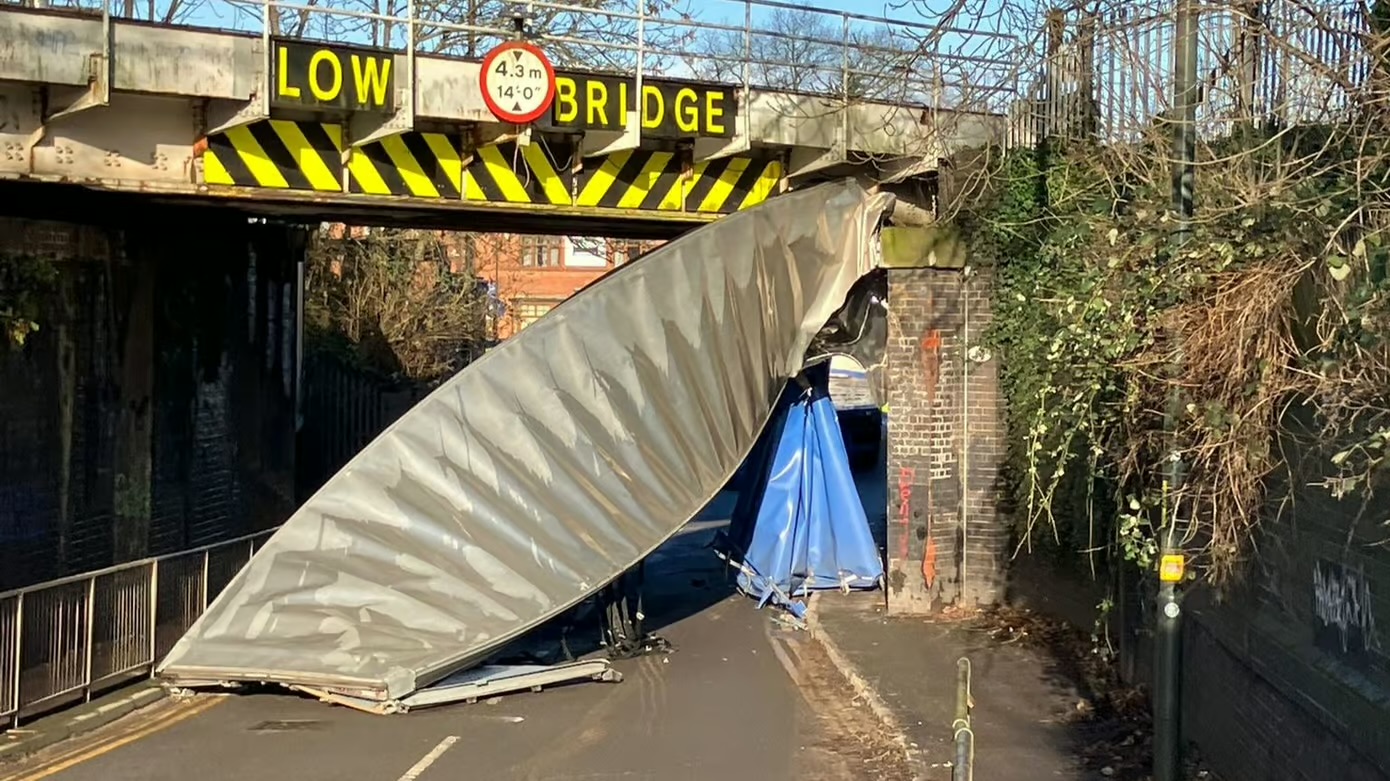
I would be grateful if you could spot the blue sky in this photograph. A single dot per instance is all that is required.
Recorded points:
(209, 11)
(869, 8)
(244, 15)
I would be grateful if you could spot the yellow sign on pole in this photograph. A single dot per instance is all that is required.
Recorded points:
(1171, 568)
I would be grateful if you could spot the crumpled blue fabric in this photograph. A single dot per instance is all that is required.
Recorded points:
(810, 531)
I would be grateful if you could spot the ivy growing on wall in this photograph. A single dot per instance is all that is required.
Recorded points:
(24, 282)
(1279, 298)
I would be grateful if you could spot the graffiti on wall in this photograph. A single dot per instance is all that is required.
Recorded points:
(906, 476)
(1342, 607)
(931, 362)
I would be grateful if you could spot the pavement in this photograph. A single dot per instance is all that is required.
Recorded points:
(79, 720)
(1025, 703)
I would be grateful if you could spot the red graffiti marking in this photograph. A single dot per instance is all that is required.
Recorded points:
(929, 551)
(906, 476)
(931, 362)
(929, 561)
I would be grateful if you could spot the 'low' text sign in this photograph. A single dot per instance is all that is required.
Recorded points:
(349, 78)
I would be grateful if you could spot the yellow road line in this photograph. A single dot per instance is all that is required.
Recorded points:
(88, 753)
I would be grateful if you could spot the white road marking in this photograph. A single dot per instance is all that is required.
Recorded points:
(429, 759)
(783, 659)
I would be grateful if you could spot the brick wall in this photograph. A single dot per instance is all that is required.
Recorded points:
(1289, 676)
(936, 422)
(153, 410)
(1251, 723)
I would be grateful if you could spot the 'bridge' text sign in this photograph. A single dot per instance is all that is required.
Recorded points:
(668, 109)
(342, 77)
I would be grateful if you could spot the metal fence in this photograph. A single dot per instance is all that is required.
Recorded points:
(950, 61)
(345, 408)
(63, 640)
(1108, 67)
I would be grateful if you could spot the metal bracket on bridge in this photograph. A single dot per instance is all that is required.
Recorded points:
(366, 128)
(804, 162)
(715, 148)
(218, 117)
(741, 141)
(99, 69)
(221, 118)
(607, 142)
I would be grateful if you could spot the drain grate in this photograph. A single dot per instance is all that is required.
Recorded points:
(287, 725)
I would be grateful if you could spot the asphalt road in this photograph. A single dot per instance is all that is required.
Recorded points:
(739, 698)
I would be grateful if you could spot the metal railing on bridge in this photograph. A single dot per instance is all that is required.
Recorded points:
(1107, 67)
(63, 640)
(956, 61)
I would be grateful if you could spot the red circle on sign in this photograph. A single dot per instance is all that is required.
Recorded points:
(500, 109)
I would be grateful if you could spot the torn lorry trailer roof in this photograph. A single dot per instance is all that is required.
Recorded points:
(546, 468)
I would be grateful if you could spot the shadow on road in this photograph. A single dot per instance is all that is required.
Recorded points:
(684, 577)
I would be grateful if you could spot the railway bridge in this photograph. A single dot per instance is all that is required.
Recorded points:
(296, 114)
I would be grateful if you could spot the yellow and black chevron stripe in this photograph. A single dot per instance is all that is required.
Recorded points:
(730, 184)
(293, 155)
(634, 179)
(652, 180)
(506, 173)
(277, 153)
(425, 165)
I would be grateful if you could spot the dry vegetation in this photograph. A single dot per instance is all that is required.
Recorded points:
(1127, 346)
(396, 301)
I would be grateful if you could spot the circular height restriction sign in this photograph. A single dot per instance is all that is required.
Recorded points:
(518, 82)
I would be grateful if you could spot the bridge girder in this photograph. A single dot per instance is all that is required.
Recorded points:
(108, 105)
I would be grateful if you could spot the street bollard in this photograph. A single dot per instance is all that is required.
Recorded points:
(963, 768)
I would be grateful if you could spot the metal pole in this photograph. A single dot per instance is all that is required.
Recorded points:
(154, 613)
(410, 55)
(844, 57)
(844, 86)
(747, 50)
(746, 97)
(91, 620)
(203, 586)
(964, 465)
(1168, 630)
(640, 100)
(267, 8)
(963, 764)
(1185, 110)
(18, 654)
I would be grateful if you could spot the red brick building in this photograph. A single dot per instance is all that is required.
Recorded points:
(534, 273)
(529, 274)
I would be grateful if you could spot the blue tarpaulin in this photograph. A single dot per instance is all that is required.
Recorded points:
(800, 522)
